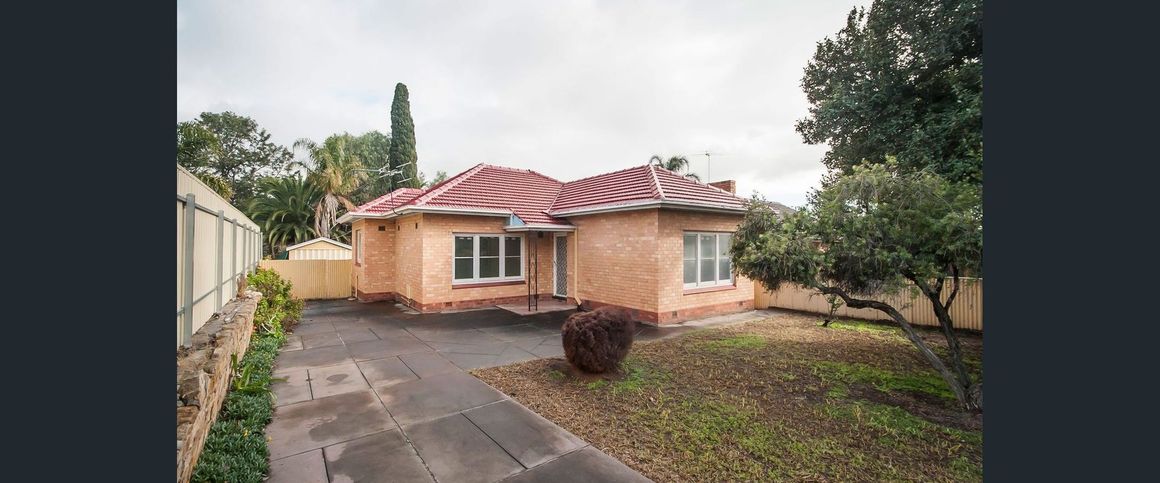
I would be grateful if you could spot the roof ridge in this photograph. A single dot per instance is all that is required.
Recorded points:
(447, 184)
(603, 174)
(656, 181)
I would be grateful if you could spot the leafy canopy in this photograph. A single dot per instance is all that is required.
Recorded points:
(867, 232)
(233, 149)
(336, 168)
(403, 154)
(904, 79)
(285, 211)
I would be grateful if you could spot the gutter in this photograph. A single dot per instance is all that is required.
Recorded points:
(348, 217)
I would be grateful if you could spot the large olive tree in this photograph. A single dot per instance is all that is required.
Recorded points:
(873, 232)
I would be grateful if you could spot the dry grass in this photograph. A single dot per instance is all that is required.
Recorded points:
(775, 399)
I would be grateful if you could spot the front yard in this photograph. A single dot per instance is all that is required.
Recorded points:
(781, 398)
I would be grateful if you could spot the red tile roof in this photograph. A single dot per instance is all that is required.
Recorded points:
(535, 198)
(639, 185)
(389, 201)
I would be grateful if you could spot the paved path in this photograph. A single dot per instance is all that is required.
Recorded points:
(377, 394)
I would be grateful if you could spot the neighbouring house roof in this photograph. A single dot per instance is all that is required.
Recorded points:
(542, 202)
(319, 239)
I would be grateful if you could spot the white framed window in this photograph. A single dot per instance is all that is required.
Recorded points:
(486, 258)
(706, 259)
(358, 246)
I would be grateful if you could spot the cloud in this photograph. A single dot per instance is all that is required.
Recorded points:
(568, 88)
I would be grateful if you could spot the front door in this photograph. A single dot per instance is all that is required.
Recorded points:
(560, 267)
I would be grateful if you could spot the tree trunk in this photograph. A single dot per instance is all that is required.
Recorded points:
(942, 312)
(961, 391)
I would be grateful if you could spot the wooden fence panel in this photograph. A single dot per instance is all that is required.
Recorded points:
(966, 312)
(314, 279)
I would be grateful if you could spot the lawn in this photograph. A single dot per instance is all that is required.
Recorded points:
(781, 398)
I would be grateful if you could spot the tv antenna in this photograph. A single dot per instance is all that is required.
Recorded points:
(709, 162)
(385, 171)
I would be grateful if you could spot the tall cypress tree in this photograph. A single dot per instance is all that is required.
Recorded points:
(403, 153)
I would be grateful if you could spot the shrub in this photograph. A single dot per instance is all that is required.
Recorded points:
(597, 341)
(235, 449)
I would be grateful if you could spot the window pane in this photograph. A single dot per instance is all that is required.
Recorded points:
(489, 267)
(489, 246)
(511, 266)
(723, 241)
(725, 269)
(708, 246)
(463, 246)
(462, 268)
(511, 246)
(690, 271)
(690, 247)
(708, 269)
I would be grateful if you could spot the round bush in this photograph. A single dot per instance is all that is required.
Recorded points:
(598, 340)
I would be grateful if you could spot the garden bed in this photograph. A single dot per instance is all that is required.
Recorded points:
(781, 398)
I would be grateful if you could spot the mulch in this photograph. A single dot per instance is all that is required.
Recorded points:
(778, 385)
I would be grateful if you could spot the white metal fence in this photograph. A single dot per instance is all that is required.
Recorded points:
(216, 242)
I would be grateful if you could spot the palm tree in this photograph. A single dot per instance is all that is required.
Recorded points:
(337, 170)
(675, 164)
(285, 210)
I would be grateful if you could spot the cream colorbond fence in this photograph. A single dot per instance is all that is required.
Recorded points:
(215, 243)
(966, 312)
(314, 279)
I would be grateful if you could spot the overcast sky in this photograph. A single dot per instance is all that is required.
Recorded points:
(567, 88)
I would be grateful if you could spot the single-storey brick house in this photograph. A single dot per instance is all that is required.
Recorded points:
(644, 238)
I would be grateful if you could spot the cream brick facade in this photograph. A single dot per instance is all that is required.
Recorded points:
(630, 259)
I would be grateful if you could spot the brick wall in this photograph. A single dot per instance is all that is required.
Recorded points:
(678, 304)
(437, 234)
(374, 278)
(617, 258)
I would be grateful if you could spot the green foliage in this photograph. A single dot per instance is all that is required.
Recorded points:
(904, 79)
(743, 341)
(440, 176)
(285, 210)
(232, 148)
(675, 164)
(879, 228)
(403, 153)
(927, 382)
(374, 150)
(895, 423)
(235, 449)
(336, 167)
(638, 375)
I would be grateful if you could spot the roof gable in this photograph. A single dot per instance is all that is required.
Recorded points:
(319, 239)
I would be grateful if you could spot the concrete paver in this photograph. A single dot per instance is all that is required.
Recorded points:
(456, 450)
(316, 357)
(387, 371)
(583, 466)
(529, 438)
(322, 422)
(306, 467)
(377, 393)
(380, 457)
(436, 396)
(296, 387)
(337, 379)
(427, 364)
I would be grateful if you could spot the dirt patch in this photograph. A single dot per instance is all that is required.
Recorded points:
(781, 398)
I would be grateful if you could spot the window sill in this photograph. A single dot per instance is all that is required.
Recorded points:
(485, 284)
(719, 288)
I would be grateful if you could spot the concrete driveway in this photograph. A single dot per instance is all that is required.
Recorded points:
(374, 393)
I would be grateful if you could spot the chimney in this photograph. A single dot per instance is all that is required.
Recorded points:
(727, 185)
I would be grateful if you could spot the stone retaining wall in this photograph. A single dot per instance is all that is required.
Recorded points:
(203, 376)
